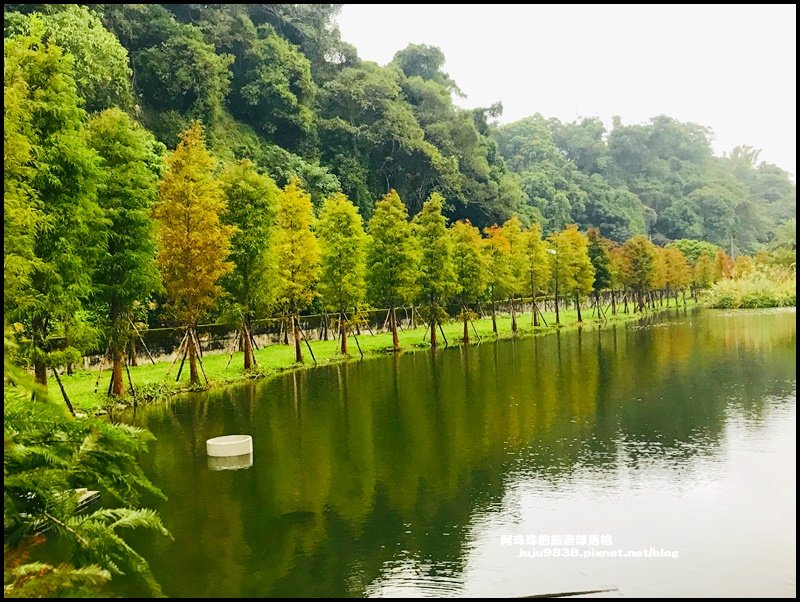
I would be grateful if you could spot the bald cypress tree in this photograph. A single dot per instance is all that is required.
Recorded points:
(193, 243)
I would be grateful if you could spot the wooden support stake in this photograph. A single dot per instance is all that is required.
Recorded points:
(100, 371)
(356, 339)
(475, 330)
(308, 345)
(177, 353)
(233, 347)
(369, 327)
(136, 330)
(200, 355)
(541, 315)
(446, 344)
(63, 392)
(183, 359)
(130, 382)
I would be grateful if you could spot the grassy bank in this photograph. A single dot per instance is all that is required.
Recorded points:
(758, 290)
(154, 384)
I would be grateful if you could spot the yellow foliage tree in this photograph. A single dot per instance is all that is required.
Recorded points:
(296, 256)
(193, 244)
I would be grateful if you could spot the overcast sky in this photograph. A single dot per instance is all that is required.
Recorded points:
(732, 68)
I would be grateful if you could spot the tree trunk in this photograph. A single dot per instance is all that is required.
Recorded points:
(434, 342)
(117, 387)
(343, 333)
(558, 317)
(286, 331)
(247, 346)
(395, 339)
(298, 351)
(132, 354)
(40, 371)
(194, 377)
(578, 307)
(494, 318)
(466, 329)
(613, 303)
(513, 316)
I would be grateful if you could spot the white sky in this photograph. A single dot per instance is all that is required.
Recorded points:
(731, 68)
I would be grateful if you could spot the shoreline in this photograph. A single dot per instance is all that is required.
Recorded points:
(156, 384)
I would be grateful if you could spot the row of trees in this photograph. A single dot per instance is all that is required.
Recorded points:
(100, 221)
(284, 256)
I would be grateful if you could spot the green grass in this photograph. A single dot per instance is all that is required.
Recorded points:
(154, 384)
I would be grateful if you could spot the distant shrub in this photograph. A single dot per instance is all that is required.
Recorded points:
(765, 288)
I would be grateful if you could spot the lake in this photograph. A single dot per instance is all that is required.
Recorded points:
(654, 457)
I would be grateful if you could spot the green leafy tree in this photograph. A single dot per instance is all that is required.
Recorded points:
(53, 182)
(437, 279)
(703, 273)
(20, 201)
(126, 273)
(500, 274)
(537, 266)
(599, 255)
(295, 256)
(572, 265)
(343, 243)
(251, 199)
(469, 262)
(638, 267)
(693, 249)
(184, 74)
(100, 63)
(193, 243)
(392, 258)
(518, 274)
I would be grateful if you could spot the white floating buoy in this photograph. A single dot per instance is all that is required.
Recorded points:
(229, 445)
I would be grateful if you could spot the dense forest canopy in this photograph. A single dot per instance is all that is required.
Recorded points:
(276, 85)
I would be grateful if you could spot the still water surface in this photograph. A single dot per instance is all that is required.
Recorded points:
(435, 475)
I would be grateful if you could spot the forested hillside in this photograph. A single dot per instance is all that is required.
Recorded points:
(276, 84)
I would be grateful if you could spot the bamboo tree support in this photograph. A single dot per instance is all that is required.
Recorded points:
(183, 359)
(100, 370)
(355, 337)
(369, 327)
(177, 353)
(475, 330)
(386, 321)
(324, 326)
(197, 340)
(130, 382)
(200, 355)
(308, 345)
(541, 315)
(138, 334)
(255, 346)
(253, 341)
(63, 392)
(233, 346)
(446, 344)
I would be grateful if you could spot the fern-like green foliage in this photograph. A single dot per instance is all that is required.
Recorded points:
(47, 455)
